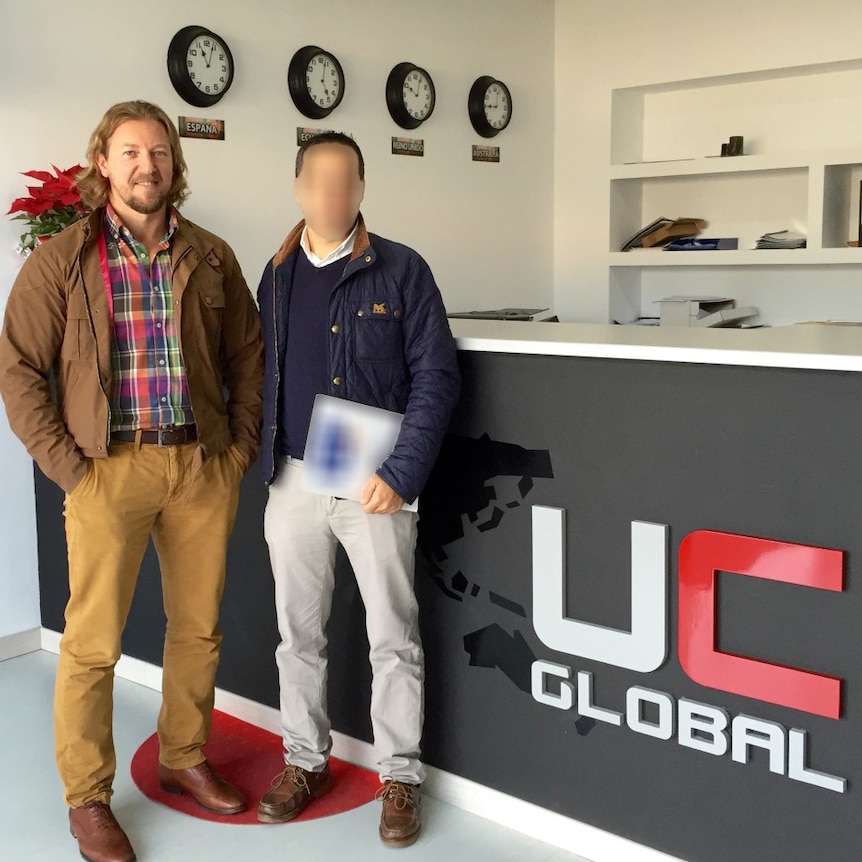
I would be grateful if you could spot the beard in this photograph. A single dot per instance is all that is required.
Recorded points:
(145, 205)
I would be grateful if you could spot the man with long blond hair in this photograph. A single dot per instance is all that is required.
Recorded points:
(154, 340)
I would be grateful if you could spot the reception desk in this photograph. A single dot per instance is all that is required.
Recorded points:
(638, 565)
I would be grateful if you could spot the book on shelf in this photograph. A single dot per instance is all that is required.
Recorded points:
(782, 239)
(728, 243)
(662, 231)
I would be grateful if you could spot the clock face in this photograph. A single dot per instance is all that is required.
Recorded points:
(418, 95)
(498, 106)
(323, 81)
(208, 64)
(200, 65)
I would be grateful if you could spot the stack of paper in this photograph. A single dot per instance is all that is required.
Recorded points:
(781, 239)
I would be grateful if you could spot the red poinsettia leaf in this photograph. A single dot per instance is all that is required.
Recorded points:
(21, 205)
(48, 208)
(62, 178)
(42, 176)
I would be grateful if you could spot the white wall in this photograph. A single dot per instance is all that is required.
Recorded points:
(532, 229)
(485, 229)
(618, 43)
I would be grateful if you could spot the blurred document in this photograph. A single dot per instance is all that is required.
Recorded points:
(346, 444)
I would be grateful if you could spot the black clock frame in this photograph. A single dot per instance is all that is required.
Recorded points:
(298, 88)
(178, 67)
(476, 106)
(395, 95)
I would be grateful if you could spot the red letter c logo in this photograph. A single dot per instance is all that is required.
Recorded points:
(705, 552)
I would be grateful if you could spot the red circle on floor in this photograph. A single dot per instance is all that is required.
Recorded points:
(250, 758)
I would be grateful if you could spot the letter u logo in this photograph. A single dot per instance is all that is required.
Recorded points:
(642, 649)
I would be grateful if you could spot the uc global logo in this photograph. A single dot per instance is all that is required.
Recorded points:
(644, 649)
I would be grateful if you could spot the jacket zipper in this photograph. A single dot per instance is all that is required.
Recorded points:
(96, 342)
(180, 333)
(274, 418)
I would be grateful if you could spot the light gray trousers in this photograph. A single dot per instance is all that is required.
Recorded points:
(303, 531)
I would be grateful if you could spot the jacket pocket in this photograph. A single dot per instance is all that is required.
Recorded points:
(212, 304)
(378, 339)
(78, 340)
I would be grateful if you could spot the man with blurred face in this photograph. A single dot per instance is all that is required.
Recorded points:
(349, 314)
(154, 339)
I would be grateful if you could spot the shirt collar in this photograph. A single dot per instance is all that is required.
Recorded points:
(343, 250)
(116, 229)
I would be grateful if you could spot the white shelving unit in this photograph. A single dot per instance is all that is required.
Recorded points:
(802, 170)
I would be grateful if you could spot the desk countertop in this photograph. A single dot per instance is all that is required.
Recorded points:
(810, 345)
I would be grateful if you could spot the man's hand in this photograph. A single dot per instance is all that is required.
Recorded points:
(379, 499)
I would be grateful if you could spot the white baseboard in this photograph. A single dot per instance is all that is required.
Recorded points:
(524, 817)
(11, 646)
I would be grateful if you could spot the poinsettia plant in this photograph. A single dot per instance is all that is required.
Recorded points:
(48, 208)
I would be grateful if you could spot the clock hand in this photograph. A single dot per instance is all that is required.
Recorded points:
(323, 78)
(203, 54)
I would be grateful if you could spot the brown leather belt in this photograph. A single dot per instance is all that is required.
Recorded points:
(173, 436)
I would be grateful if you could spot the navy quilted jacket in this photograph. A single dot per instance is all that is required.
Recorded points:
(389, 346)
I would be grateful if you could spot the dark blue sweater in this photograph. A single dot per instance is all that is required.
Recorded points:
(305, 364)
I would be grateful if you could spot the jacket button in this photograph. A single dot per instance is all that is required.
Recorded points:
(368, 258)
(336, 381)
(209, 300)
(397, 312)
(335, 328)
(361, 312)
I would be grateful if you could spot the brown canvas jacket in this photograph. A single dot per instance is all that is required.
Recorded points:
(58, 317)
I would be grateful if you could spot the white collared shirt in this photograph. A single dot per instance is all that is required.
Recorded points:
(345, 249)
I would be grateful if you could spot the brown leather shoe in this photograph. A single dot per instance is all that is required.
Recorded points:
(291, 792)
(205, 786)
(400, 820)
(100, 837)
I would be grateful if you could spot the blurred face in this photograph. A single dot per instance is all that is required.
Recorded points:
(328, 190)
(139, 166)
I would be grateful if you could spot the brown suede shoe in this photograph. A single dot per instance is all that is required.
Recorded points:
(100, 837)
(400, 820)
(291, 792)
(205, 786)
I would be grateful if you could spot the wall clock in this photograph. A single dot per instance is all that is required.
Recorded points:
(200, 66)
(489, 106)
(316, 82)
(410, 95)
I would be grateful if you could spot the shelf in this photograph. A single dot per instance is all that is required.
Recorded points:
(737, 257)
(735, 164)
(709, 166)
(658, 165)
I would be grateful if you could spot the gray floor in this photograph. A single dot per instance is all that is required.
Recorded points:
(34, 823)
